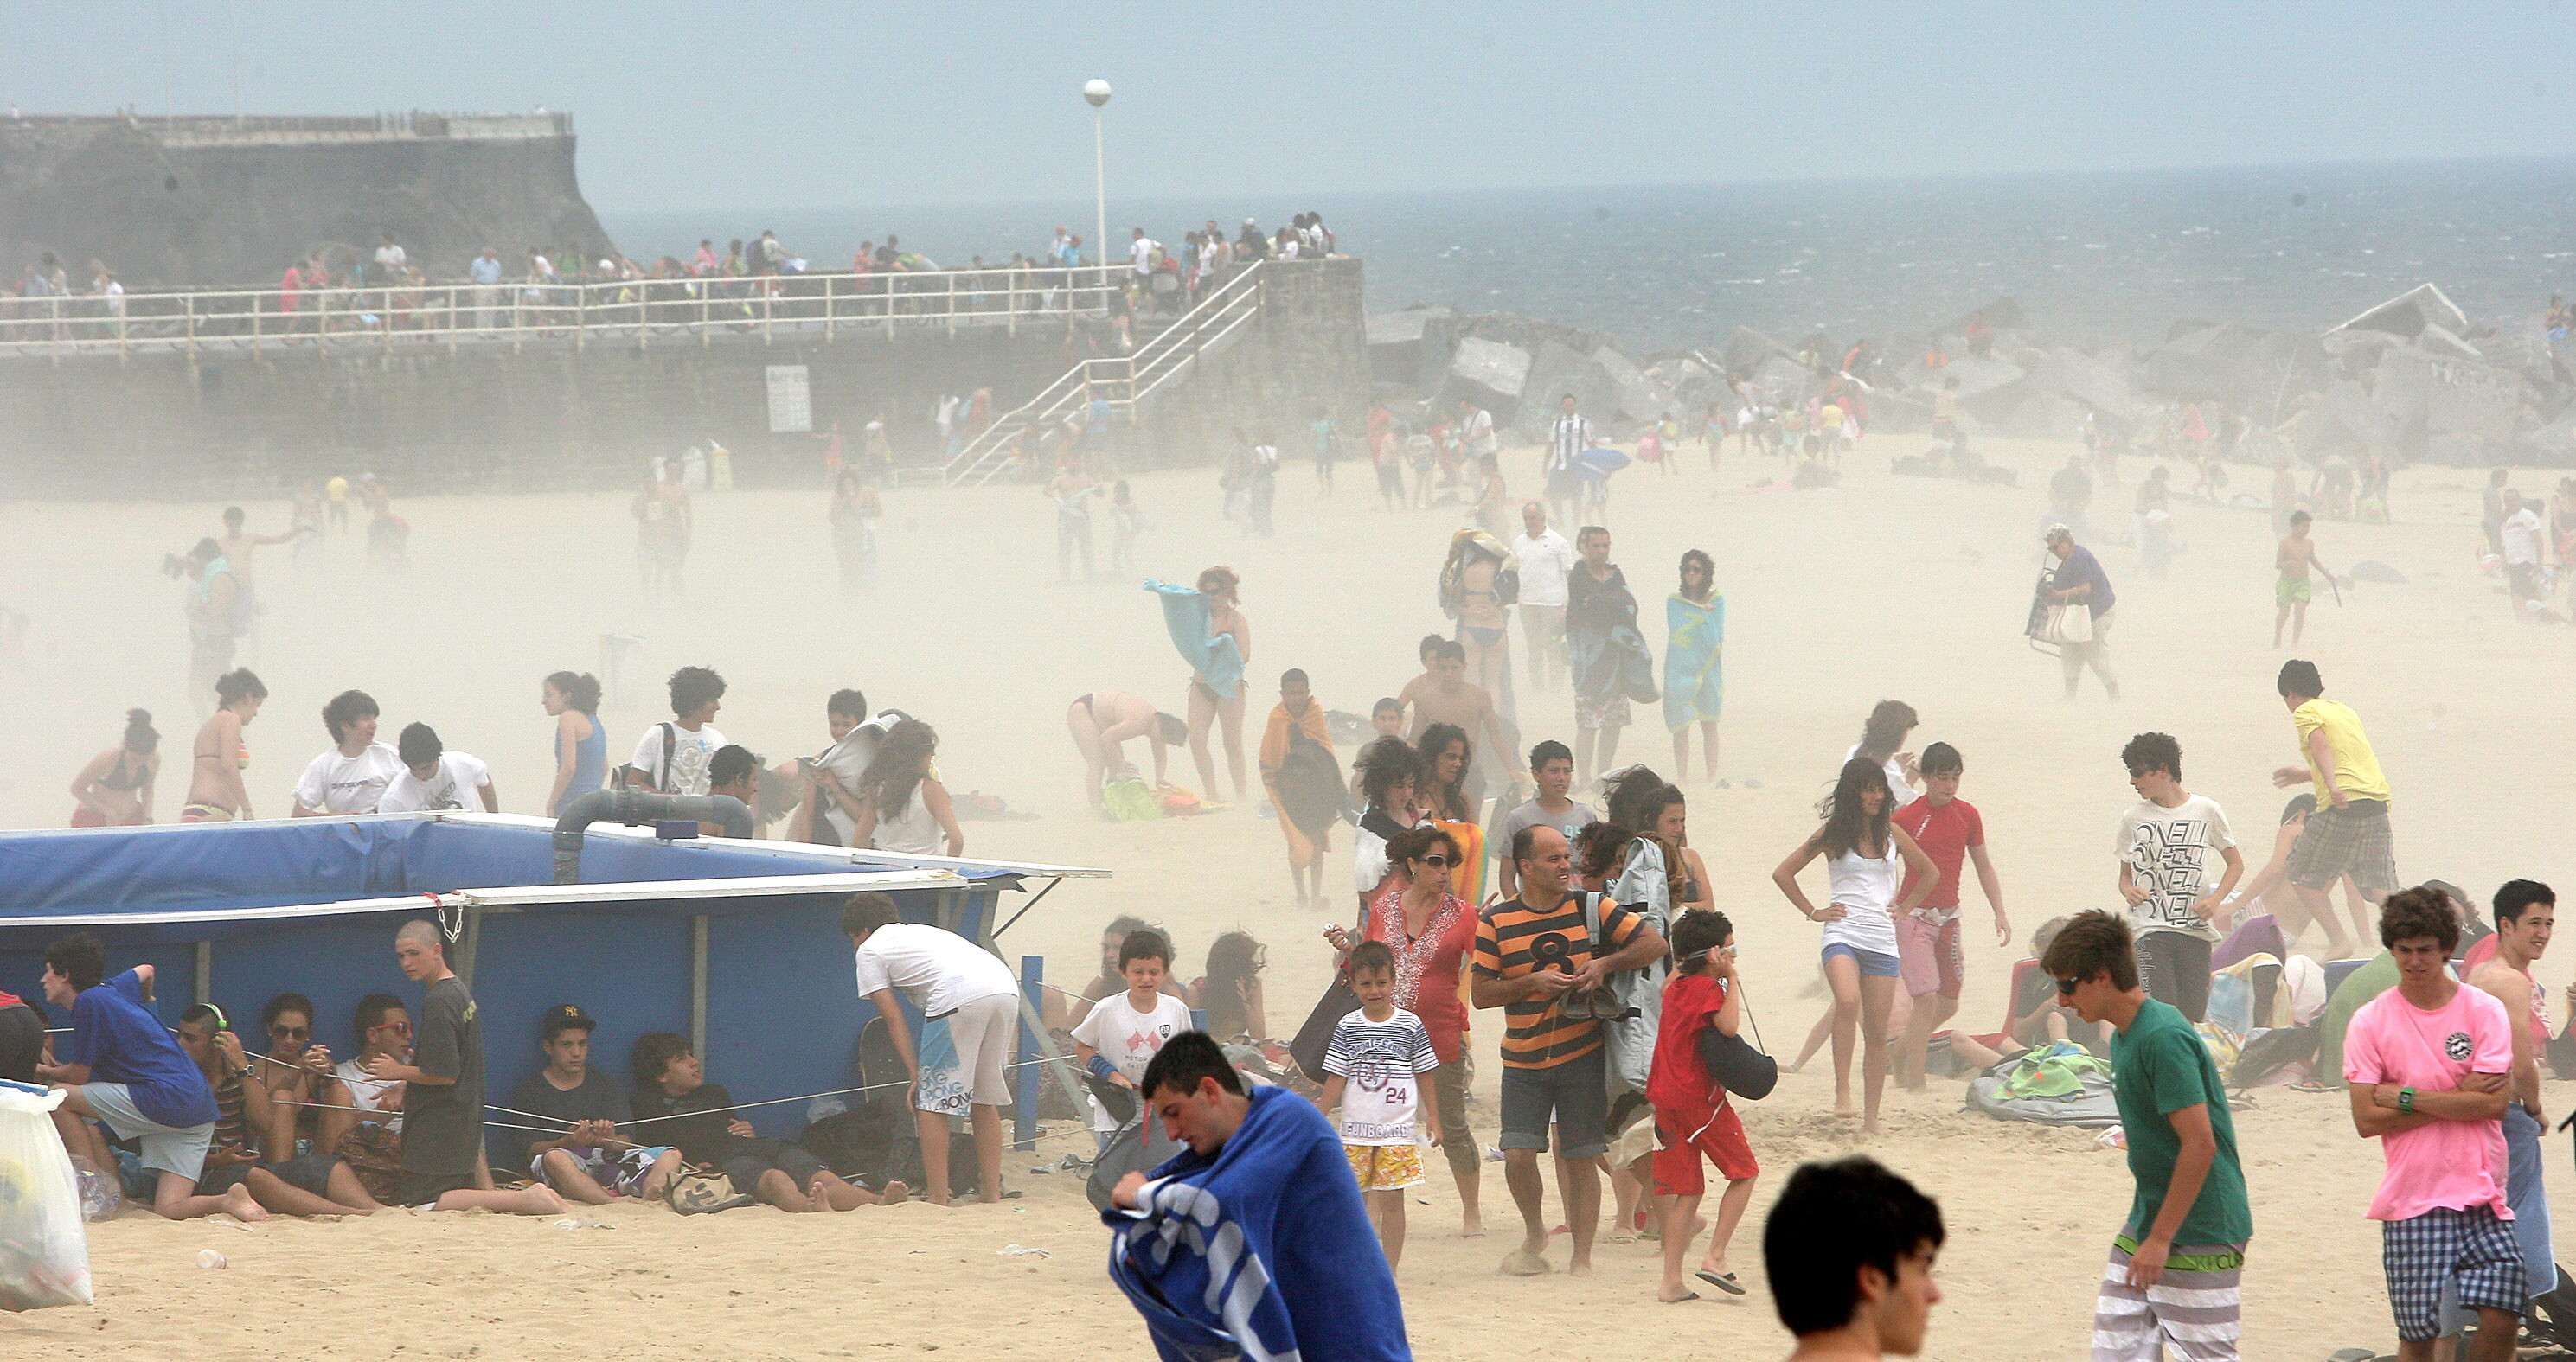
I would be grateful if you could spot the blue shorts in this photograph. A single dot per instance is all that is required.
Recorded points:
(1873, 964)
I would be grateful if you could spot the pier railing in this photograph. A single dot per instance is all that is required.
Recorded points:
(1019, 439)
(641, 312)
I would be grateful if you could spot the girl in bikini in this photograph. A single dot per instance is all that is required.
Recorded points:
(1207, 705)
(215, 790)
(115, 788)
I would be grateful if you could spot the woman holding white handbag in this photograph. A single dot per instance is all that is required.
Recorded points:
(2081, 599)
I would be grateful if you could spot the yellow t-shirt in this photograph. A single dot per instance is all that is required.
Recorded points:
(2356, 766)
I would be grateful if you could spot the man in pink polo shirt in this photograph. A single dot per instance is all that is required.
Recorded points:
(2428, 1066)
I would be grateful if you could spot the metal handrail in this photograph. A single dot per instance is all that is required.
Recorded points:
(1123, 381)
(519, 310)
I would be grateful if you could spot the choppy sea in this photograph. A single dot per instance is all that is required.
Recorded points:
(2106, 256)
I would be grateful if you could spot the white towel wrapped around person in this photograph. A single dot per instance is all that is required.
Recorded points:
(44, 1251)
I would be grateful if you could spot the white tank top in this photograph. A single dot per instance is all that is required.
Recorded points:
(912, 831)
(1866, 888)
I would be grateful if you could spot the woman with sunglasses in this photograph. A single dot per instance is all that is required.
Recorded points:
(1431, 931)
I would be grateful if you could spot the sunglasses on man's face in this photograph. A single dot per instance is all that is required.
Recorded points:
(2066, 987)
(402, 1028)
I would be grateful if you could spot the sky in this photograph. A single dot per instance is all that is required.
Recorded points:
(788, 104)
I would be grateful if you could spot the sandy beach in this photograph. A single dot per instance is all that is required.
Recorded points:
(1886, 587)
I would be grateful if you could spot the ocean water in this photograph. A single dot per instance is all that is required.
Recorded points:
(2091, 257)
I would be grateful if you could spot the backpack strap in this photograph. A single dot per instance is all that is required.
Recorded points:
(670, 740)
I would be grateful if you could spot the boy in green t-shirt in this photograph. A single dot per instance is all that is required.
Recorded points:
(2178, 1261)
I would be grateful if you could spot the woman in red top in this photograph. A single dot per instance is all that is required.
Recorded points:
(1431, 931)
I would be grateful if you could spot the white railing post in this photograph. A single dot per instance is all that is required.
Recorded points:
(829, 282)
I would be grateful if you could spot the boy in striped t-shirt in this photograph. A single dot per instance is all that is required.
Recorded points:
(1375, 1066)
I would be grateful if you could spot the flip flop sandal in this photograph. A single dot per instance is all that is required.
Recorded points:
(1682, 1299)
(1725, 1282)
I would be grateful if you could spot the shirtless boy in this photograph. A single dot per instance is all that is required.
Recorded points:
(2290, 592)
(1444, 695)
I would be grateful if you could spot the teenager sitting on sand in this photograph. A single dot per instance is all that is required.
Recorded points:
(123, 1070)
(672, 1094)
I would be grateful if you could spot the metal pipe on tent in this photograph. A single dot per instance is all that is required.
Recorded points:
(633, 807)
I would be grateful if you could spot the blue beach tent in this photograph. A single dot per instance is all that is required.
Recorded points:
(736, 944)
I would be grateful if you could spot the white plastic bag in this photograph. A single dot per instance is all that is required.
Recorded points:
(44, 1250)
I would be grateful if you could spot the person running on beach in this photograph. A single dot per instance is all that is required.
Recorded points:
(115, 788)
(2290, 592)
(2164, 845)
(2429, 1067)
(1865, 852)
(2526, 912)
(2179, 1259)
(2349, 834)
(1951, 832)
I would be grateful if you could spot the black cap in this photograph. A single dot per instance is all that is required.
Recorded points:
(567, 1017)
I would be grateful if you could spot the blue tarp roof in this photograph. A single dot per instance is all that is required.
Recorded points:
(307, 905)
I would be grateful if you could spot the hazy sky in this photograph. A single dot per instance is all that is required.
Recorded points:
(794, 104)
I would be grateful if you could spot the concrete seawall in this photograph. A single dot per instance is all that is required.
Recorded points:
(197, 204)
(428, 419)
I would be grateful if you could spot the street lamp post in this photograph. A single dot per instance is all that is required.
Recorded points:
(1097, 91)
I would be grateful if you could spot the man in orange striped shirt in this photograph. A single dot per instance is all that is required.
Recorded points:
(1535, 959)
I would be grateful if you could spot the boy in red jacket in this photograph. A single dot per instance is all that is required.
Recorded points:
(1692, 1115)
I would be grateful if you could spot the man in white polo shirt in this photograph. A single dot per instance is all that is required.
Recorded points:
(966, 995)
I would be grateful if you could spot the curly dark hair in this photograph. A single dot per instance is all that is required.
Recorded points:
(2090, 943)
(1382, 764)
(2418, 912)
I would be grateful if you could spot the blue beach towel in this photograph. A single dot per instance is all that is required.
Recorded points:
(1205, 1259)
(1694, 643)
(1216, 660)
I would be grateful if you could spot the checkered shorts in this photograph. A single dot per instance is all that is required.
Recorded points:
(2351, 841)
(2471, 1249)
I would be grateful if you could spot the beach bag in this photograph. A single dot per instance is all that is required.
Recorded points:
(1315, 1037)
(44, 1251)
(696, 1193)
(2068, 623)
(1737, 1066)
